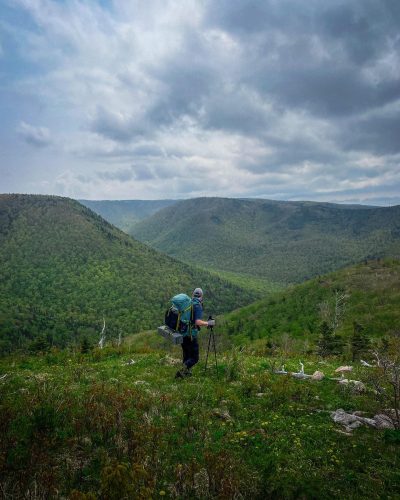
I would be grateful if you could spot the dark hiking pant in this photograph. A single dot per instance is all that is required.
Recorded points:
(190, 349)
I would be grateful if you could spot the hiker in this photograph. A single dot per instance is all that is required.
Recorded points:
(190, 345)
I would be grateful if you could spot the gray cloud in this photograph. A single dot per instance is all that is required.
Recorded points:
(331, 91)
(143, 173)
(121, 175)
(116, 126)
(134, 172)
(287, 153)
(237, 110)
(147, 150)
(378, 134)
(35, 136)
(313, 57)
(279, 98)
(318, 60)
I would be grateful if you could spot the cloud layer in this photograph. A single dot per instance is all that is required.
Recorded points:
(163, 99)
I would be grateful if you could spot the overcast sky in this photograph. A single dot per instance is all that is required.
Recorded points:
(127, 99)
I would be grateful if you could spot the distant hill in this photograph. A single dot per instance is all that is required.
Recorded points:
(63, 268)
(371, 297)
(126, 213)
(283, 242)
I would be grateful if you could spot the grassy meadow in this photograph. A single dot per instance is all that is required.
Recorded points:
(86, 426)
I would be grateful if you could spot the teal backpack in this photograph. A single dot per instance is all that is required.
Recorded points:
(180, 314)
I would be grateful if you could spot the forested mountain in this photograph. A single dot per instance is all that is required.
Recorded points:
(367, 294)
(63, 268)
(126, 213)
(284, 242)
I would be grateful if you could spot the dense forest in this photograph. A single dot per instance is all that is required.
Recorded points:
(283, 242)
(63, 269)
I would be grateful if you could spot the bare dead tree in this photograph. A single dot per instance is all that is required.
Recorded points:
(339, 308)
(386, 382)
(119, 339)
(103, 335)
(333, 311)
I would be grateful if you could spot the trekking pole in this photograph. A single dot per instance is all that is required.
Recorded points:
(208, 350)
(215, 351)
(211, 337)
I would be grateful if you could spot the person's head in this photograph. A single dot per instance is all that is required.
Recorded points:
(198, 294)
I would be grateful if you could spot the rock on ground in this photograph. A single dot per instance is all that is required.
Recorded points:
(351, 421)
(318, 375)
(223, 414)
(357, 386)
(343, 369)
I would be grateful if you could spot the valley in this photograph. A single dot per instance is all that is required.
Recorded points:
(281, 242)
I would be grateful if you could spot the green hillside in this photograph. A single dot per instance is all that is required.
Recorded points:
(282, 242)
(63, 268)
(369, 294)
(125, 213)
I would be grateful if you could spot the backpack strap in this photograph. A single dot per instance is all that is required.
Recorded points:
(190, 321)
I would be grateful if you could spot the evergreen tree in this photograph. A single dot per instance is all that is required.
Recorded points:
(85, 346)
(359, 341)
(325, 340)
(40, 344)
(328, 343)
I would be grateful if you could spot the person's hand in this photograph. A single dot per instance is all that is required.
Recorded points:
(210, 323)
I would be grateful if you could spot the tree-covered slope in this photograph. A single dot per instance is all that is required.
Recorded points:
(126, 213)
(63, 268)
(284, 242)
(368, 294)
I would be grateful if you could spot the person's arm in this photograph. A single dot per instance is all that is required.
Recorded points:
(200, 322)
(198, 314)
(210, 322)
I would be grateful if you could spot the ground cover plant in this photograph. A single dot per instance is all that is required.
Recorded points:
(114, 423)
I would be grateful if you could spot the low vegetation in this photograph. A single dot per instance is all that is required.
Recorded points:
(115, 424)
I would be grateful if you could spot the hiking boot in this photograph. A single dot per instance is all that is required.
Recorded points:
(185, 372)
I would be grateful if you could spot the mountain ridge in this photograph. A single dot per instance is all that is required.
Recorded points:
(284, 242)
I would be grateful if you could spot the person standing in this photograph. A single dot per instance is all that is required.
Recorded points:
(190, 344)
